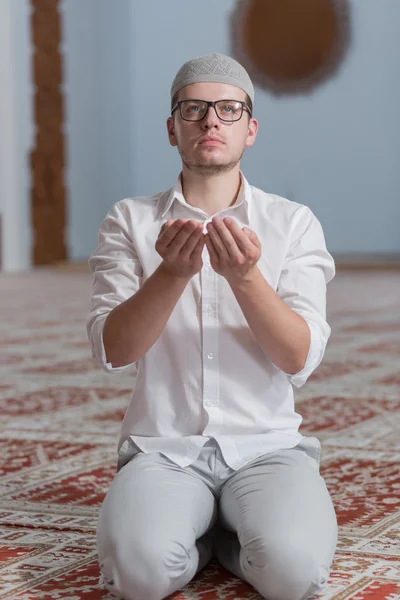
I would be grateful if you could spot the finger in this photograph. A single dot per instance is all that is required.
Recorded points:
(253, 238)
(184, 242)
(218, 243)
(211, 248)
(172, 229)
(242, 237)
(228, 242)
(165, 226)
(188, 246)
(198, 250)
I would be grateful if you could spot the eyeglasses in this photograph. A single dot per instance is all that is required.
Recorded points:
(196, 110)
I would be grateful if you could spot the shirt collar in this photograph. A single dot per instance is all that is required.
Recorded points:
(244, 198)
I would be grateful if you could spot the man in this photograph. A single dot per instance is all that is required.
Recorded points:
(216, 292)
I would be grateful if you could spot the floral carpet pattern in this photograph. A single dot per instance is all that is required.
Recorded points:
(59, 426)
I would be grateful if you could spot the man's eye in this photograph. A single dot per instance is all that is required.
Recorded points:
(231, 109)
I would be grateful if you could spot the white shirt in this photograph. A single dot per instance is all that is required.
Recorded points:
(206, 375)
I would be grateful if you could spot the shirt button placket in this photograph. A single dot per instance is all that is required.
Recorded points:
(209, 281)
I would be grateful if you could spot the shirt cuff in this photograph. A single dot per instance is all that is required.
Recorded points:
(100, 352)
(314, 357)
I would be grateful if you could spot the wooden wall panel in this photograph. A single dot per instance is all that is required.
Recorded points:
(48, 196)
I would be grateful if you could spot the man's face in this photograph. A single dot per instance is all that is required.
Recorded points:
(229, 139)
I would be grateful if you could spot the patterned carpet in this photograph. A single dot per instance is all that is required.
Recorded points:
(59, 425)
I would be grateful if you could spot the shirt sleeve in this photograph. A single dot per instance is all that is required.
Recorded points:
(117, 274)
(307, 269)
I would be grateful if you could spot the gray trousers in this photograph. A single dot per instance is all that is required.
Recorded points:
(271, 523)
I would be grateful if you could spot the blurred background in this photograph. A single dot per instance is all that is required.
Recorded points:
(85, 97)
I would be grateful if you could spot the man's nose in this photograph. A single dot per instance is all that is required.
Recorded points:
(211, 119)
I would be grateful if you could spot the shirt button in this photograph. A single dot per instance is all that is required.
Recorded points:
(210, 356)
(210, 308)
(208, 264)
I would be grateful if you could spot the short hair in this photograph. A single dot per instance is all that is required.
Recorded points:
(247, 100)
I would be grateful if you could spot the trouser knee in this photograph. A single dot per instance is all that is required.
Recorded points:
(142, 570)
(288, 575)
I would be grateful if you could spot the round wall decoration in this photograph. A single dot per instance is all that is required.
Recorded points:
(290, 46)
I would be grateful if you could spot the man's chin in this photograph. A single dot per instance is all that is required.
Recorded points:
(209, 167)
(210, 163)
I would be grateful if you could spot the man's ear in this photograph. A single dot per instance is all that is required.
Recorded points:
(252, 132)
(171, 131)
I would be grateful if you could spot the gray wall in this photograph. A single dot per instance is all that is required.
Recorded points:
(336, 150)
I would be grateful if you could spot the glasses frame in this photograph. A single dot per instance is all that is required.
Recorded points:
(180, 102)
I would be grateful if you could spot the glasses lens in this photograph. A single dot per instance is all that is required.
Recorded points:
(193, 111)
(229, 110)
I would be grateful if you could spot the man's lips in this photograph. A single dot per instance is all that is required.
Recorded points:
(211, 142)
